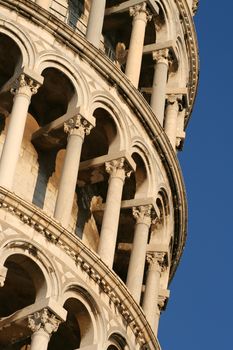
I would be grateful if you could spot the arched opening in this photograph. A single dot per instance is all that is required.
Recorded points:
(116, 31)
(24, 284)
(101, 137)
(77, 331)
(10, 62)
(53, 97)
(137, 185)
(159, 232)
(117, 342)
(180, 70)
(161, 24)
(51, 102)
(93, 180)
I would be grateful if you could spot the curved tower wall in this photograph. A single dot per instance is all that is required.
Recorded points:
(94, 101)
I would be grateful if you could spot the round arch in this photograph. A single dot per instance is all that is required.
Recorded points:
(162, 230)
(139, 148)
(36, 255)
(104, 100)
(23, 41)
(182, 70)
(117, 341)
(84, 324)
(163, 23)
(51, 59)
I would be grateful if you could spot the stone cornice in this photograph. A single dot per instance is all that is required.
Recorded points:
(98, 60)
(89, 262)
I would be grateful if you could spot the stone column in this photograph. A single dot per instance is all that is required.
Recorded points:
(95, 22)
(44, 3)
(133, 65)
(171, 118)
(150, 300)
(134, 280)
(159, 83)
(118, 170)
(25, 87)
(42, 323)
(76, 128)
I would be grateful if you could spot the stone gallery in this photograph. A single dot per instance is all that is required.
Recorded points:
(95, 97)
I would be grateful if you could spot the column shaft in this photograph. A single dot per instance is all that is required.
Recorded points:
(134, 59)
(15, 131)
(110, 222)
(159, 84)
(77, 127)
(68, 180)
(171, 118)
(39, 340)
(156, 320)
(137, 261)
(150, 300)
(138, 254)
(95, 22)
(108, 236)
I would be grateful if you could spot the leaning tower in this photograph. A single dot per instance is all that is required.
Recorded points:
(95, 97)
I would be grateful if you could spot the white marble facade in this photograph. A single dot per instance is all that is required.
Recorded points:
(95, 97)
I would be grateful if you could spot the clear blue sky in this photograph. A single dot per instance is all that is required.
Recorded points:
(199, 314)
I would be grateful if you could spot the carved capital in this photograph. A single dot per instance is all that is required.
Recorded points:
(176, 101)
(163, 299)
(157, 261)
(24, 84)
(195, 6)
(143, 214)
(161, 56)
(180, 141)
(78, 125)
(171, 99)
(45, 320)
(140, 10)
(118, 168)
